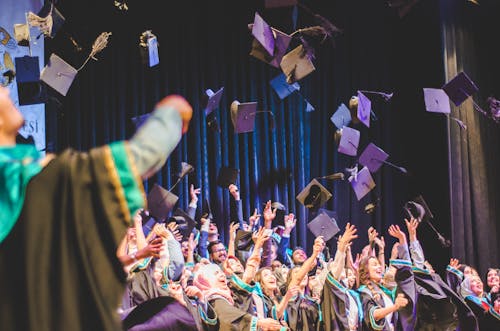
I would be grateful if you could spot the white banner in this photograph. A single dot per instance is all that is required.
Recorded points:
(14, 12)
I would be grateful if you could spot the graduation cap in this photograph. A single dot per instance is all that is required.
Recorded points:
(243, 240)
(30, 90)
(314, 195)
(348, 140)
(373, 157)
(212, 100)
(185, 223)
(139, 120)
(227, 176)
(324, 224)
(282, 88)
(279, 3)
(417, 208)
(362, 183)
(363, 106)
(281, 42)
(296, 65)
(160, 202)
(437, 101)
(460, 88)
(262, 32)
(243, 116)
(49, 19)
(58, 74)
(22, 34)
(149, 48)
(341, 117)
(279, 220)
(206, 211)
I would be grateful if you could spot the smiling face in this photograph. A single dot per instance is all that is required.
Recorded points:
(268, 280)
(370, 270)
(476, 285)
(351, 278)
(299, 256)
(492, 278)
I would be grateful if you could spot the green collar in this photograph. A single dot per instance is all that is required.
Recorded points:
(18, 164)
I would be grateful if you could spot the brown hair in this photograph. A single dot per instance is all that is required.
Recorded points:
(364, 278)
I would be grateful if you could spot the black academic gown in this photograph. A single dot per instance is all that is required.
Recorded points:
(230, 318)
(335, 303)
(405, 318)
(439, 307)
(487, 319)
(59, 269)
(303, 313)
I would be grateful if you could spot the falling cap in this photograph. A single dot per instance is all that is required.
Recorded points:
(212, 100)
(160, 202)
(282, 88)
(49, 19)
(281, 42)
(30, 90)
(418, 209)
(363, 183)
(206, 211)
(185, 223)
(460, 88)
(243, 240)
(436, 101)
(243, 116)
(263, 33)
(363, 107)
(227, 176)
(373, 157)
(314, 195)
(279, 220)
(58, 74)
(341, 117)
(296, 65)
(349, 141)
(324, 224)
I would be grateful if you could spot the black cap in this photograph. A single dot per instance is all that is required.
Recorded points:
(280, 213)
(206, 211)
(418, 209)
(161, 202)
(185, 223)
(227, 176)
(30, 89)
(243, 240)
(314, 195)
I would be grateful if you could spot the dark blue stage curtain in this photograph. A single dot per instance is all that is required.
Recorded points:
(207, 44)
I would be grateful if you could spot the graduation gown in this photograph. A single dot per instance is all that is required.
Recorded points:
(439, 307)
(335, 304)
(405, 318)
(230, 318)
(59, 269)
(304, 313)
(487, 318)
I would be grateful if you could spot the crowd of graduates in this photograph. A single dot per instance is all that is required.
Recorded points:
(192, 280)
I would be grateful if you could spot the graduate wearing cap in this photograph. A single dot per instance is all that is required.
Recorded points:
(62, 215)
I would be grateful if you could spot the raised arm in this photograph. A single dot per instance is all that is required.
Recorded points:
(159, 135)
(319, 245)
(416, 251)
(344, 242)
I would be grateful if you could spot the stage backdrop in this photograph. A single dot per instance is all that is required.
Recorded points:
(14, 12)
(207, 44)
